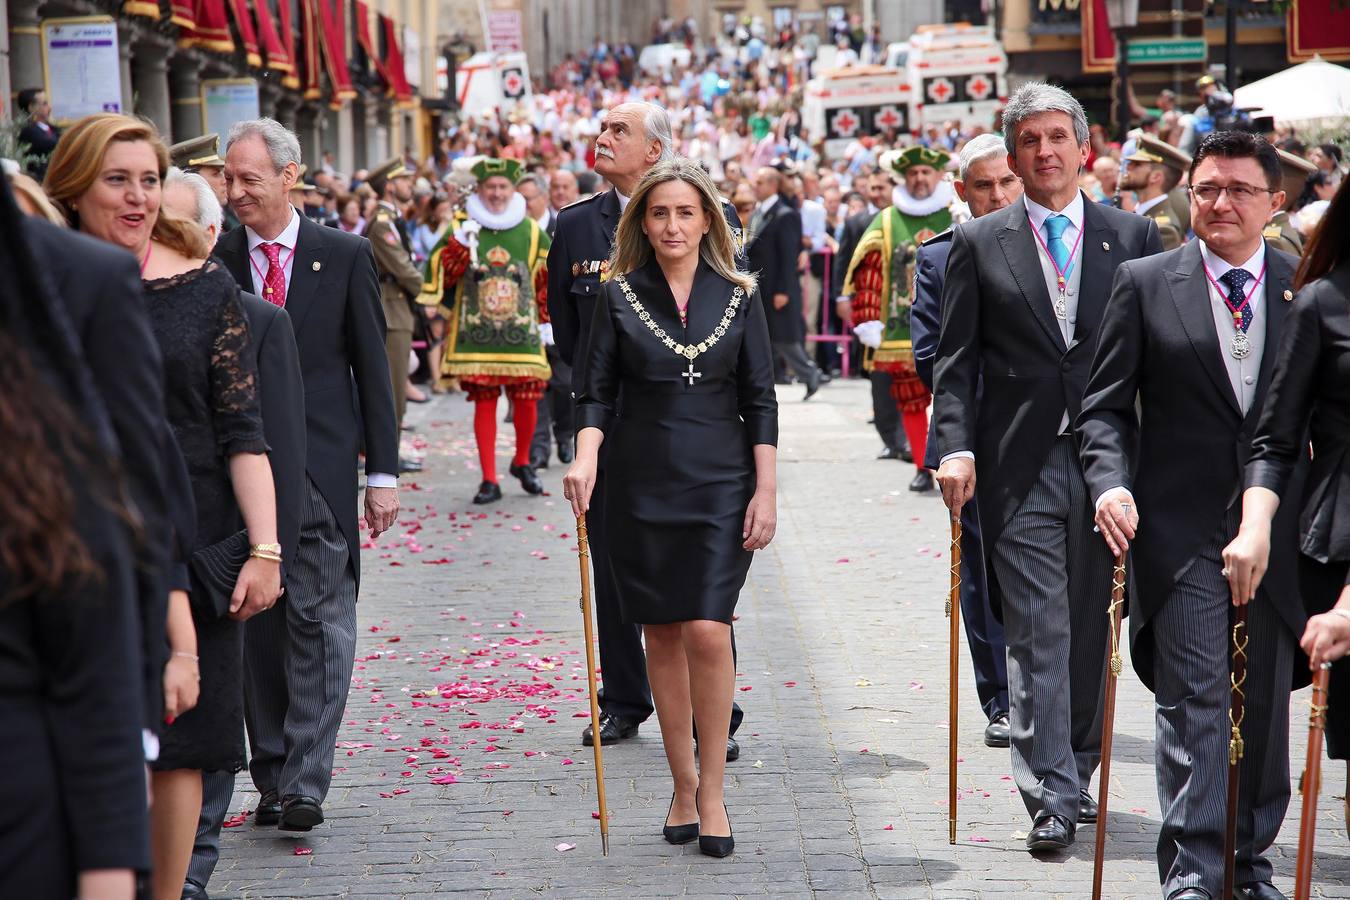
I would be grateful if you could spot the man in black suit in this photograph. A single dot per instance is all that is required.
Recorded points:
(987, 185)
(38, 132)
(1191, 337)
(1024, 293)
(555, 407)
(773, 245)
(885, 414)
(636, 136)
(326, 279)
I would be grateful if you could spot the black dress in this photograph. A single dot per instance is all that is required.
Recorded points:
(1310, 395)
(679, 466)
(211, 395)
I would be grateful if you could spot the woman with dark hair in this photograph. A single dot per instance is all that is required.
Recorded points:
(1309, 395)
(72, 765)
(107, 175)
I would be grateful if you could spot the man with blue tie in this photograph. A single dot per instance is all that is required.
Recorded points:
(1025, 290)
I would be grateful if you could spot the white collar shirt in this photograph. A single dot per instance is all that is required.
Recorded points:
(257, 257)
(1242, 373)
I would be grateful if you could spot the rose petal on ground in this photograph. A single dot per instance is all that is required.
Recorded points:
(563, 848)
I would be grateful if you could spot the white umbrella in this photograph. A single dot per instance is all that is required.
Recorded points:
(1308, 92)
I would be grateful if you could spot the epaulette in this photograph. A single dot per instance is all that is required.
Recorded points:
(1162, 220)
(592, 198)
(1272, 231)
(940, 237)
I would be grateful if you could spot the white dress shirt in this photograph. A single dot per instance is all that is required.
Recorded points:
(258, 263)
(813, 224)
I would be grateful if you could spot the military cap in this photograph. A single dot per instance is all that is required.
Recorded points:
(1153, 150)
(1204, 81)
(488, 167)
(387, 171)
(194, 153)
(898, 161)
(1295, 166)
(300, 183)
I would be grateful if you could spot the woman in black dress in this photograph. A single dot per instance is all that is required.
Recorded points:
(1310, 395)
(679, 388)
(107, 174)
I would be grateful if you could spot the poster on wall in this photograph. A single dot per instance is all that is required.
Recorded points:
(80, 67)
(226, 101)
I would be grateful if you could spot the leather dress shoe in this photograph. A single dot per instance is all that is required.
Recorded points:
(565, 452)
(612, 730)
(922, 483)
(528, 479)
(409, 465)
(488, 492)
(1087, 808)
(269, 809)
(1258, 890)
(733, 750)
(905, 453)
(538, 460)
(890, 453)
(1050, 833)
(996, 732)
(194, 891)
(1190, 893)
(300, 813)
(813, 385)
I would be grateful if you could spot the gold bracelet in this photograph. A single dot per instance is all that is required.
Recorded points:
(261, 554)
(186, 655)
(266, 548)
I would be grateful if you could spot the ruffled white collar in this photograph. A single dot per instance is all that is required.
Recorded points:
(941, 198)
(512, 216)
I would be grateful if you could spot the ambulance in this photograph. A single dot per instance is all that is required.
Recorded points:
(955, 73)
(489, 82)
(842, 105)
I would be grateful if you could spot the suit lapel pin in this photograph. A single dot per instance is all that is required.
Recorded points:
(1288, 295)
(317, 265)
(1106, 246)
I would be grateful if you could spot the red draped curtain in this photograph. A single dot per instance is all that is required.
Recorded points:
(146, 8)
(243, 20)
(331, 19)
(277, 48)
(393, 63)
(206, 26)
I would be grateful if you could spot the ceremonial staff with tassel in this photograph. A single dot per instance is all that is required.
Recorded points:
(584, 554)
(1113, 667)
(953, 656)
(1237, 708)
(1312, 783)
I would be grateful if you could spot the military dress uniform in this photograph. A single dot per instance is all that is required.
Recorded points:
(196, 154)
(1281, 233)
(1162, 209)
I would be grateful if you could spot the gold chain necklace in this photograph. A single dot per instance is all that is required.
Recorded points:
(688, 351)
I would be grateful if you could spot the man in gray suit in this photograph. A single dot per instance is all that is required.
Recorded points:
(1024, 292)
(1192, 334)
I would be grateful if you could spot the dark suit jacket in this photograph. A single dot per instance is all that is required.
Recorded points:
(281, 394)
(999, 330)
(41, 143)
(100, 285)
(772, 257)
(334, 305)
(925, 319)
(854, 226)
(1310, 386)
(1183, 461)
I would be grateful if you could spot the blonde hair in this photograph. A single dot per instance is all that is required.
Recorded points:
(76, 162)
(28, 194)
(632, 249)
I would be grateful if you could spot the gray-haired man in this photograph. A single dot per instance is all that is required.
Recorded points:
(1025, 290)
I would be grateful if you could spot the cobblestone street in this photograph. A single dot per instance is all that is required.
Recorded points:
(461, 767)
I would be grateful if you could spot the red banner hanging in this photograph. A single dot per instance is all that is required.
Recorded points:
(277, 50)
(209, 29)
(393, 63)
(183, 13)
(287, 28)
(333, 32)
(243, 20)
(368, 45)
(309, 36)
(1099, 44)
(148, 9)
(1318, 28)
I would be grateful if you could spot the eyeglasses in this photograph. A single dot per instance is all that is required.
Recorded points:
(1237, 193)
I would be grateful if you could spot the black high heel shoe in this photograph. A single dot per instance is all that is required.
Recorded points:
(678, 834)
(712, 845)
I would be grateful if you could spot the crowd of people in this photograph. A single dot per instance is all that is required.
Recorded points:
(627, 257)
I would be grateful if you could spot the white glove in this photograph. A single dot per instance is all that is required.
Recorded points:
(869, 333)
(546, 334)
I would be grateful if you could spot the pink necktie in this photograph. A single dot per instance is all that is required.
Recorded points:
(274, 282)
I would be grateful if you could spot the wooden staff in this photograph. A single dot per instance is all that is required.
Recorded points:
(584, 553)
(1113, 667)
(953, 675)
(1236, 713)
(1312, 784)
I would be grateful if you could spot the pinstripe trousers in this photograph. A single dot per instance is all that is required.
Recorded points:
(1191, 667)
(1054, 573)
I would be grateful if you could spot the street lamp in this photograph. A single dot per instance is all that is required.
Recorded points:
(1122, 16)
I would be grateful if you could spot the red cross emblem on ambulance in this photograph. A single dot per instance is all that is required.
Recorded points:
(845, 123)
(889, 117)
(978, 87)
(940, 90)
(513, 85)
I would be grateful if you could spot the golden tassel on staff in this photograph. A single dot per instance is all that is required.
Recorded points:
(954, 615)
(584, 554)
(1114, 664)
(1312, 784)
(1236, 713)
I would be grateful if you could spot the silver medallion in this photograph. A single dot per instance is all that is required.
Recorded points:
(1241, 348)
(1061, 307)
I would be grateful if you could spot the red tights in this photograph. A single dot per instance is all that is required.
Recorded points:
(525, 416)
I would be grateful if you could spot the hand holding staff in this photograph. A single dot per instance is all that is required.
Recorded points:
(584, 553)
(1236, 713)
(954, 615)
(1312, 784)
(1114, 664)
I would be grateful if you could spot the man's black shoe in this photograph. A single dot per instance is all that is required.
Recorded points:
(905, 453)
(300, 813)
(194, 891)
(1050, 833)
(922, 483)
(1087, 808)
(269, 809)
(528, 479)
(1258, 890)
(889, 453)
(565, 452)
(612, 730)
(1190, 893)
(733, 750)
(813, 385)
(409, 465)
(996, 732)
(538, 459)
(488, 492)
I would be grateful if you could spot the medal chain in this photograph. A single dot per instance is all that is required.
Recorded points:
(688, 351)
(1061, 277)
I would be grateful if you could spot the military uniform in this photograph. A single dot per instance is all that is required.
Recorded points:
(400, 284)
(1169, 211)
(203, 152)
(1281, 233)
(880, 280)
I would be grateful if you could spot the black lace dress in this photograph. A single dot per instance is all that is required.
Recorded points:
(211, 395)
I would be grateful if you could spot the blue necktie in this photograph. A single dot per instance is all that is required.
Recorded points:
(1237, 279)
(1054, 234)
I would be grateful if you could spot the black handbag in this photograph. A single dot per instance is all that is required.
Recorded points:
(215, 570)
